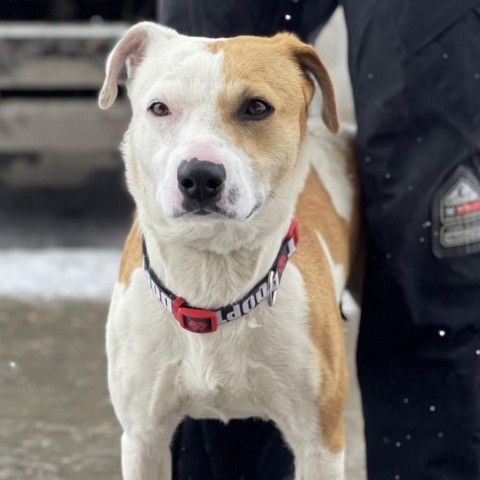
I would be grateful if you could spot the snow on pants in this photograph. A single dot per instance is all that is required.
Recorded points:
(415, 68)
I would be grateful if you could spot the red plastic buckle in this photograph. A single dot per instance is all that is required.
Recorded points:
(193, 319)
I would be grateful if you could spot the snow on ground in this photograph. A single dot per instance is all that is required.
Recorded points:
(72, 273)
(60, 273)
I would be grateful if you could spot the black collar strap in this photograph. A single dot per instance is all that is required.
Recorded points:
(200, 320)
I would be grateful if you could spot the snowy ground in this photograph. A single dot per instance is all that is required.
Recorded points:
(58, 273)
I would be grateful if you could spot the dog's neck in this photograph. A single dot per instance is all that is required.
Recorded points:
(207, 278)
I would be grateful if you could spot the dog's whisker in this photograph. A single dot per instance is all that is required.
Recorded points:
(276, 195)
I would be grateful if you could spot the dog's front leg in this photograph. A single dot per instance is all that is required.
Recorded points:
(147, 457)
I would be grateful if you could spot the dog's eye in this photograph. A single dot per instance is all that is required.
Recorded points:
(255, 109)
(159, 109)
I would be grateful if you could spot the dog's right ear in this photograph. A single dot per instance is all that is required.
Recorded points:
(130, 50)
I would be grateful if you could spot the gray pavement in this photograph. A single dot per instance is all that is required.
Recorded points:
(56, 421)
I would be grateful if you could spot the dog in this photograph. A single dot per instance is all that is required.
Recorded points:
(227, 300)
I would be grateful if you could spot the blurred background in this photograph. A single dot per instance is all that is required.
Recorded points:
(64, 212)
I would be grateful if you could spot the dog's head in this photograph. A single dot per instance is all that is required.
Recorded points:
(217, 124)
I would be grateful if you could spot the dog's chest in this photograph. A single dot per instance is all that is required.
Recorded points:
(247, 368)
(219, 381)
(205, 372)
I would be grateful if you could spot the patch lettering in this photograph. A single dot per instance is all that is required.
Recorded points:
(456, 215)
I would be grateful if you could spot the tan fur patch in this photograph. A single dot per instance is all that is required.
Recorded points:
(264, 68)
(315, 212)
(131, 255)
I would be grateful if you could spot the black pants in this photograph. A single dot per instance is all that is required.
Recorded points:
(415, 68)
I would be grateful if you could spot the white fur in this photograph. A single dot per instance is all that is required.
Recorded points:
(337, 270)
(328, 155)
(157, 372)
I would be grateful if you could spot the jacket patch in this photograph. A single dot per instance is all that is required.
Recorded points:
(456, 215)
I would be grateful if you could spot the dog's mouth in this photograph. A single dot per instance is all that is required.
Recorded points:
(212, 211)
(204, 212)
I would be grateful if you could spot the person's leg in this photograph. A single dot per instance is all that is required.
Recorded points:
(228, 18)
(246, 449)
(416, 79)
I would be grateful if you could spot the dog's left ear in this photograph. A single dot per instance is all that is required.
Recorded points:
(129, 49)
(310, 63)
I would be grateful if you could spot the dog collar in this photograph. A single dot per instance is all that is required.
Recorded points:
(200, 320)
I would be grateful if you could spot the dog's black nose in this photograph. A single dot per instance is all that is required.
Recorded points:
(200, 180)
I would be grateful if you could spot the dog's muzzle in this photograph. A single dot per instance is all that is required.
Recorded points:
(201, 183)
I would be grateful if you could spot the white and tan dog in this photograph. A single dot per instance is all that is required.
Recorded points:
(218, 150)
